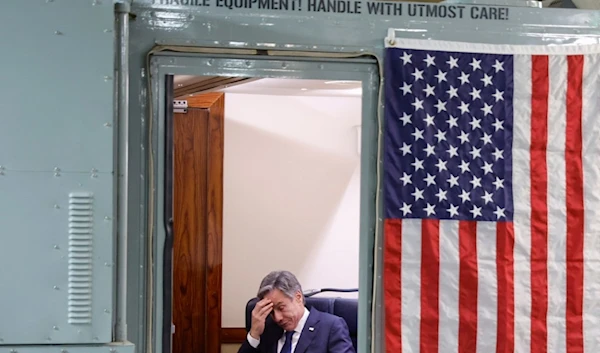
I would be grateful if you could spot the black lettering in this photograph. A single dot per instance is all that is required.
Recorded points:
(451, 12)
(489, 13)
(397, 8)
(442, 11)
(431, 11)
(321, 6)
(412, 10)
(335, 6)
(375, 8)
(485, 13)
(331, 5)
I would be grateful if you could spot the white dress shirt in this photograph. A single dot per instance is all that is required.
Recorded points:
(295, 337)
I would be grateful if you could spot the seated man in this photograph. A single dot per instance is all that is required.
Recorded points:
(294, 329)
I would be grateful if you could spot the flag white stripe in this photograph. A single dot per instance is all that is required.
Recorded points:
(557, 208)
(522, 203)
(449, 287)
(487, 291)
(411, 285)
(591, 194)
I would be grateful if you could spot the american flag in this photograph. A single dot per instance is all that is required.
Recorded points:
(492, 198)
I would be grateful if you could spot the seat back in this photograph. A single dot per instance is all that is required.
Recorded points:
(346, 308)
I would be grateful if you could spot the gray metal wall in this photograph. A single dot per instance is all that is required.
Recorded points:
(56, 179)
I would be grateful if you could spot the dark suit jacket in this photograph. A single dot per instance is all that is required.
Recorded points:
(329, 335)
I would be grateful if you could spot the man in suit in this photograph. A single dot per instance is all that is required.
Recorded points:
(282, 324)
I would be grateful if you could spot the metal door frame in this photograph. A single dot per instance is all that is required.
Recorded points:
(365, 69)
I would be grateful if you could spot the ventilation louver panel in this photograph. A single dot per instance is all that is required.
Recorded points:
(81, 227)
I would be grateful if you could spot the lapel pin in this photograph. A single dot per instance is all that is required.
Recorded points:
(311, 328)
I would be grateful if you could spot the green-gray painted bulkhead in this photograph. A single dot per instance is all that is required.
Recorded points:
(60, 125)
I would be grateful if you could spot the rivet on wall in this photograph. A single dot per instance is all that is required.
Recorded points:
(107, 124)
(107, 78)
(58, 33)
(96, 2)
(56, 206)
(55, 328)
(56, 247)
(56, 287)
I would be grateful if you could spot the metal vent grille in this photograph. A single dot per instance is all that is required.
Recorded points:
(81, 226)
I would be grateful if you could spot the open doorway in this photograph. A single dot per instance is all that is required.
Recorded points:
(266, 176)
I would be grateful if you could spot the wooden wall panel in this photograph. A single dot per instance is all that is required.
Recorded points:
(214, 261)
(189, 227)
(198, 218)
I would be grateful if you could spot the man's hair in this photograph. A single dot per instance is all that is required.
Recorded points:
(285, 281)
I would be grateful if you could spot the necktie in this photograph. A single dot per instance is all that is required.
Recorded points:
(287, 346)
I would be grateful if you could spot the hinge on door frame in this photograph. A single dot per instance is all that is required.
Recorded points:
(180, 106)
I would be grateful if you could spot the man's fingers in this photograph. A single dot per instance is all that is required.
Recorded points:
(263, 312)
(262, 303)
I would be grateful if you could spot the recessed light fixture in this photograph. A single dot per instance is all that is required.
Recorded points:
(340, 82)
(304, 89)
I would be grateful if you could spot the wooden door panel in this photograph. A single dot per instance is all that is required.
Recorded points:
(197, 224)
(190, 154)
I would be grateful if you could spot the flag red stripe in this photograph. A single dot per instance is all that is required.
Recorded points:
(574, 176)
(468, 284)
(505, 244)
(539, 204)
(392, 286)
(430, 285)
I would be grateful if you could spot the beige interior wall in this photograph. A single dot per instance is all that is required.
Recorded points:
(230, 348)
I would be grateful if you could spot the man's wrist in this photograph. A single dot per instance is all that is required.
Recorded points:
(254, 341)
(254, 335)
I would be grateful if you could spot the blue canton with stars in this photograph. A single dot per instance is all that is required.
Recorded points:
(448, 135)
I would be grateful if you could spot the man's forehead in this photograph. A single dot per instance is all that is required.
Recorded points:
(276, 296)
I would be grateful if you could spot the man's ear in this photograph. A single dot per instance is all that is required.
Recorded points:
(299, 296)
